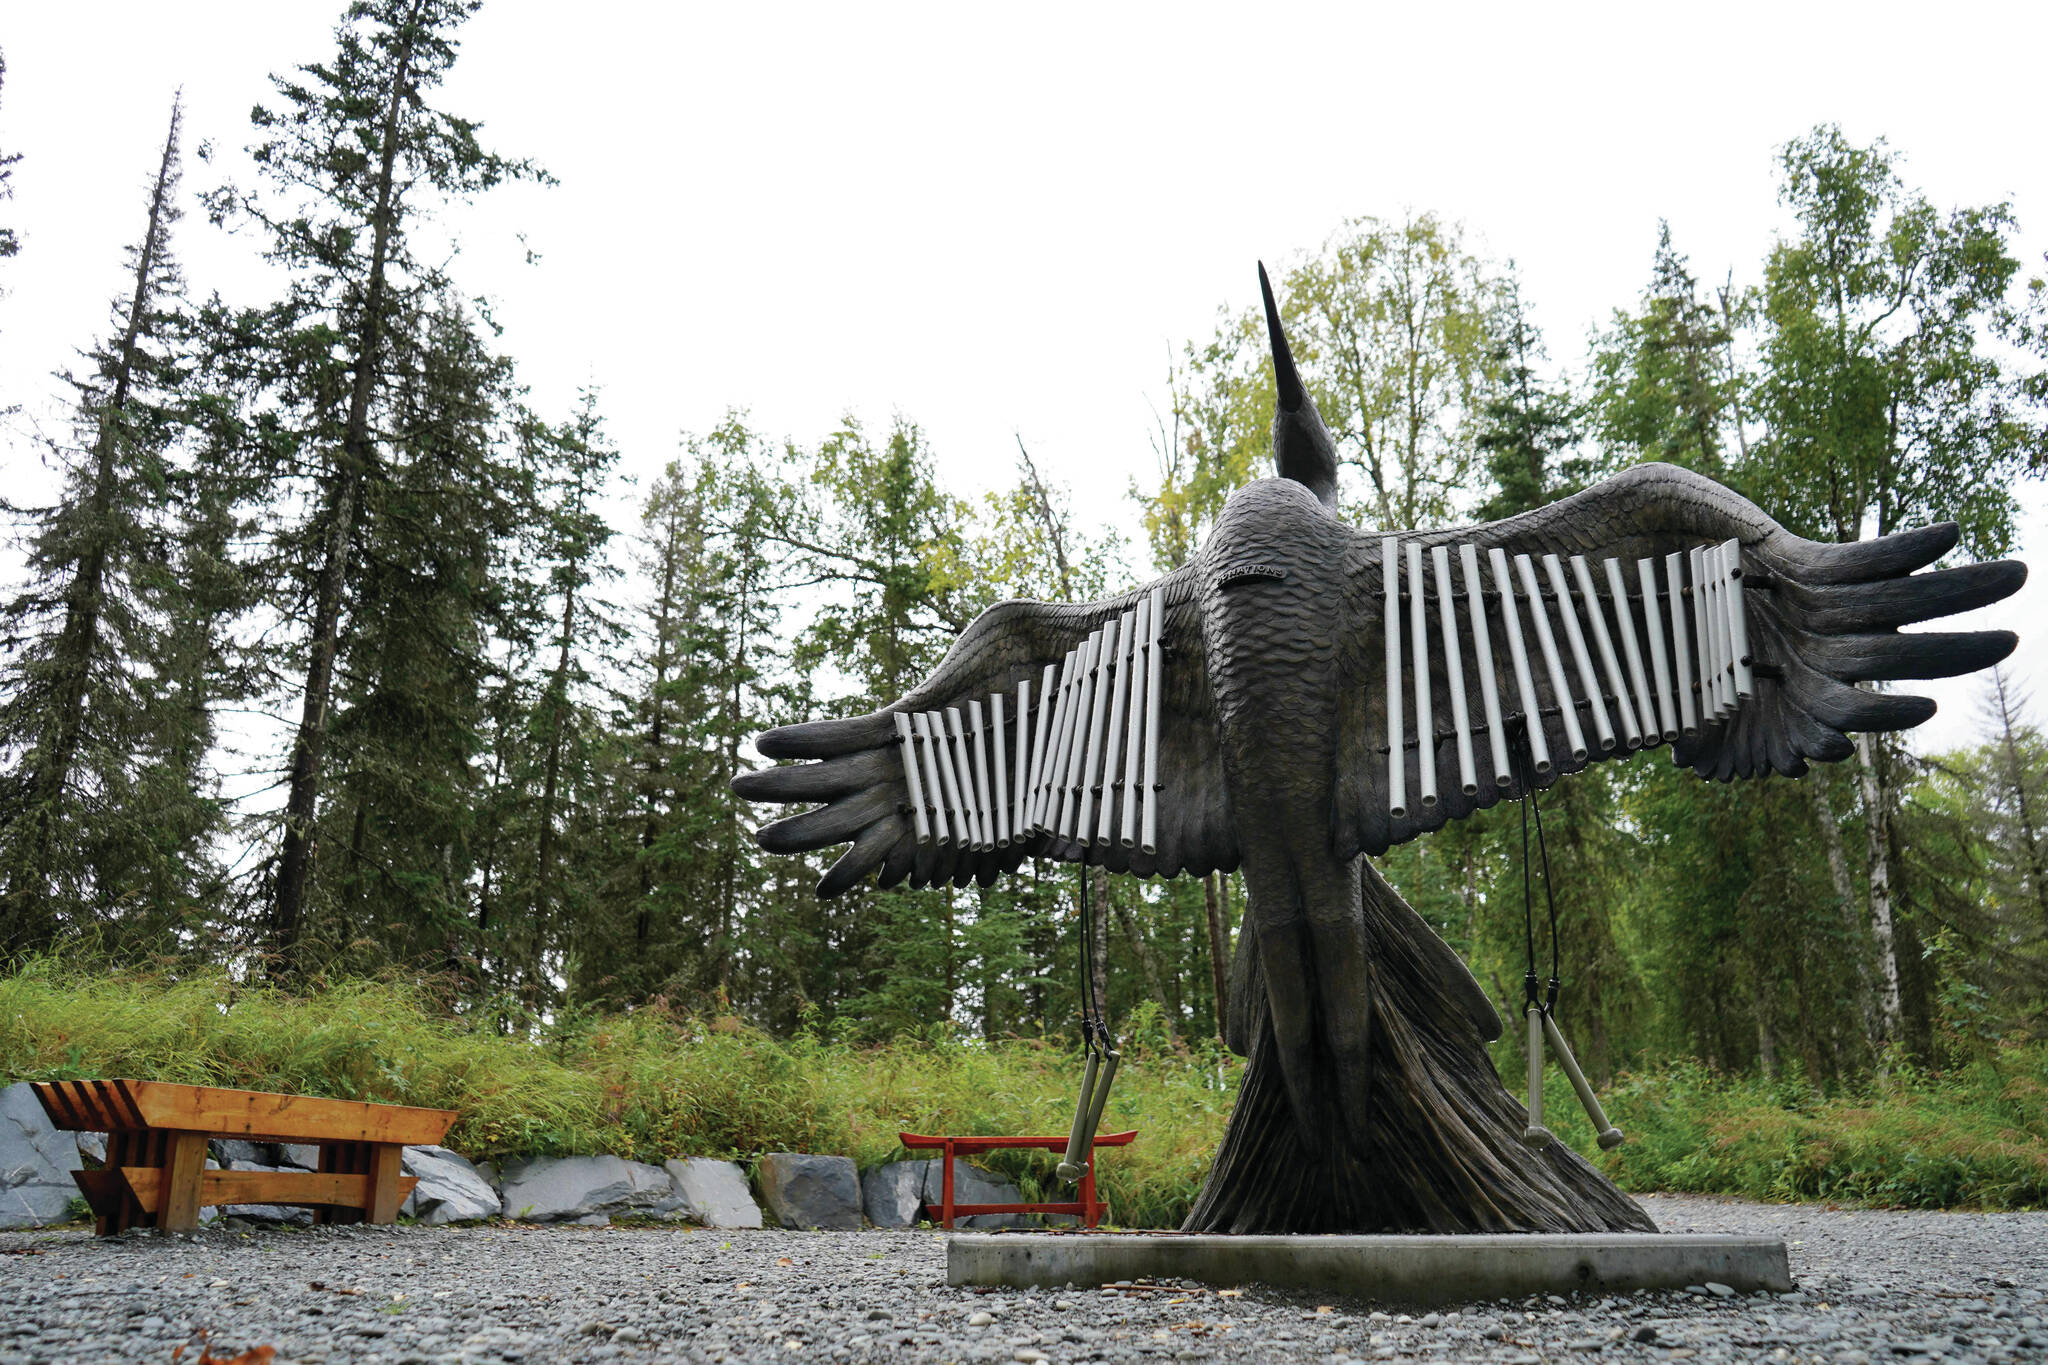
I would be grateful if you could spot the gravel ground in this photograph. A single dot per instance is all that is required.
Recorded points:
(1874, 1286)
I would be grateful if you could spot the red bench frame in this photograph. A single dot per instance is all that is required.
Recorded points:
(1088, 1207)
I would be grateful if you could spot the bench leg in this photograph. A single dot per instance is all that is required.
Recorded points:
(382, 1168)
(341, 1158)
(184, 1163)
(946, 1190)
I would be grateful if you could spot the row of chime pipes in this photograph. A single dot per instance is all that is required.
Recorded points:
(1699, 679)
(1087, 756)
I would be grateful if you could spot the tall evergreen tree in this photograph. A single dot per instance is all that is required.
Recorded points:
(355, 160)
(83, 718)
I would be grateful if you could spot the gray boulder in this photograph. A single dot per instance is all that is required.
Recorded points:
(805, 1191)
(36, 1162)
(271, 1156)
(892, 1195)
(973, 1185)
(713, 1193)
(299, 1214)
(93, 1145)
(450, 1189)
(558, 1189)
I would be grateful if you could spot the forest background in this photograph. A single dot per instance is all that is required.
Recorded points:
(332, 670)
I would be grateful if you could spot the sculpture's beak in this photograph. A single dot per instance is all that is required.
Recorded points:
(1286, 379)
(1302, 448)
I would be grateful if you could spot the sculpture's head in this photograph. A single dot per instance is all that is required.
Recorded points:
(1302, 447)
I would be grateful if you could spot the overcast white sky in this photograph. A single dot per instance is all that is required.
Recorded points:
(1001, 219)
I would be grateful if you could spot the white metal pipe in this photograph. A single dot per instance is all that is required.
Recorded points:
(1724, 670)
(1454, 666)
(999, 781)
(1155, 665)
(1020, 829)
(1518, 653)
(1568, 710)
(1605, 644)
(1054, 740)
(1738, 621)
(1660, 657)
(988, 786)
(1041, 731)
(1418, 659)
(1482, 648)
(1134, 724)
(1702, 637)
(1070, 771)
(1553, 567)
(1397, 723)
(1105, 665)
(936, 773)
(963, 774)
(1625, 622)
(1608, 1136)
(1112, 776)
(915, 779)
(1682, 635)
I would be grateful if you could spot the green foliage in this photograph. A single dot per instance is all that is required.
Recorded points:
(657, 1083)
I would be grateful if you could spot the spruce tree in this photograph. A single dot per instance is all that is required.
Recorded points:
(84, 719)
(354, 161)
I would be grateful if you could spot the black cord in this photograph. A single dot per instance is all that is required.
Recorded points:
(1091, 1021)
(1523, 761)
(1549, 897)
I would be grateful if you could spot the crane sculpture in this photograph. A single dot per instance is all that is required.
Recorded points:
(1304, 694)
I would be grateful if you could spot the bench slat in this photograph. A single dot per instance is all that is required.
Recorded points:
(261, 1115)
(243, 1187)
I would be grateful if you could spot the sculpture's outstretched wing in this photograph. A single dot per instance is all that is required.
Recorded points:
(1047, 731)
(1657, 607)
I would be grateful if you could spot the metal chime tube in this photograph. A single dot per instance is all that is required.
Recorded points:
(1568, 710)
(1609, 1136)
(1454, 666)
(1041, 743)
(1660, 658)
(999, 784)
(1716, 634)
(1725, 671)
(937, 774)
(1134, 723)
(1397, 723)
(1418, 658)
(1702, 646)
(955, 750)
(1625, 621)
(1072, 1163)
(1686, 637)
(1070, 771)
(1605, 644)
(1095, 1106)
(1112, 776)
(1020, 825)
(1104, 665)
(1154, 666)
(910, 774)
(988, 783)
(1525, 683)
(1482, 647)
(1738, 621)
(1553, 567)
(1062, 737)
(1536, 1135)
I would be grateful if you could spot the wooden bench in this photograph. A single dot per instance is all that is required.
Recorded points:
(945, 1211)
(156, 1174)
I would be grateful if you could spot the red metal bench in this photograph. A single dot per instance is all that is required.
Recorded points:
(945, 1211)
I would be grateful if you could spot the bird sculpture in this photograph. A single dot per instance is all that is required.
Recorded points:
(1305, 694)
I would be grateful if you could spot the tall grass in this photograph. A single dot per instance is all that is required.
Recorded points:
(654, 1084)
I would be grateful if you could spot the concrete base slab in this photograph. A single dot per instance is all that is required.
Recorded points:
(1395, 1269)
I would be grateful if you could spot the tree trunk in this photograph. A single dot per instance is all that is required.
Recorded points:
(1215, 887)
(1444, 1153)
(295, 857)
(1816, 785)
(1877, 822)
(1098, 933)
(551, 780)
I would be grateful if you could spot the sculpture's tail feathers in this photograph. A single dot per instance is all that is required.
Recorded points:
(1302, 447)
